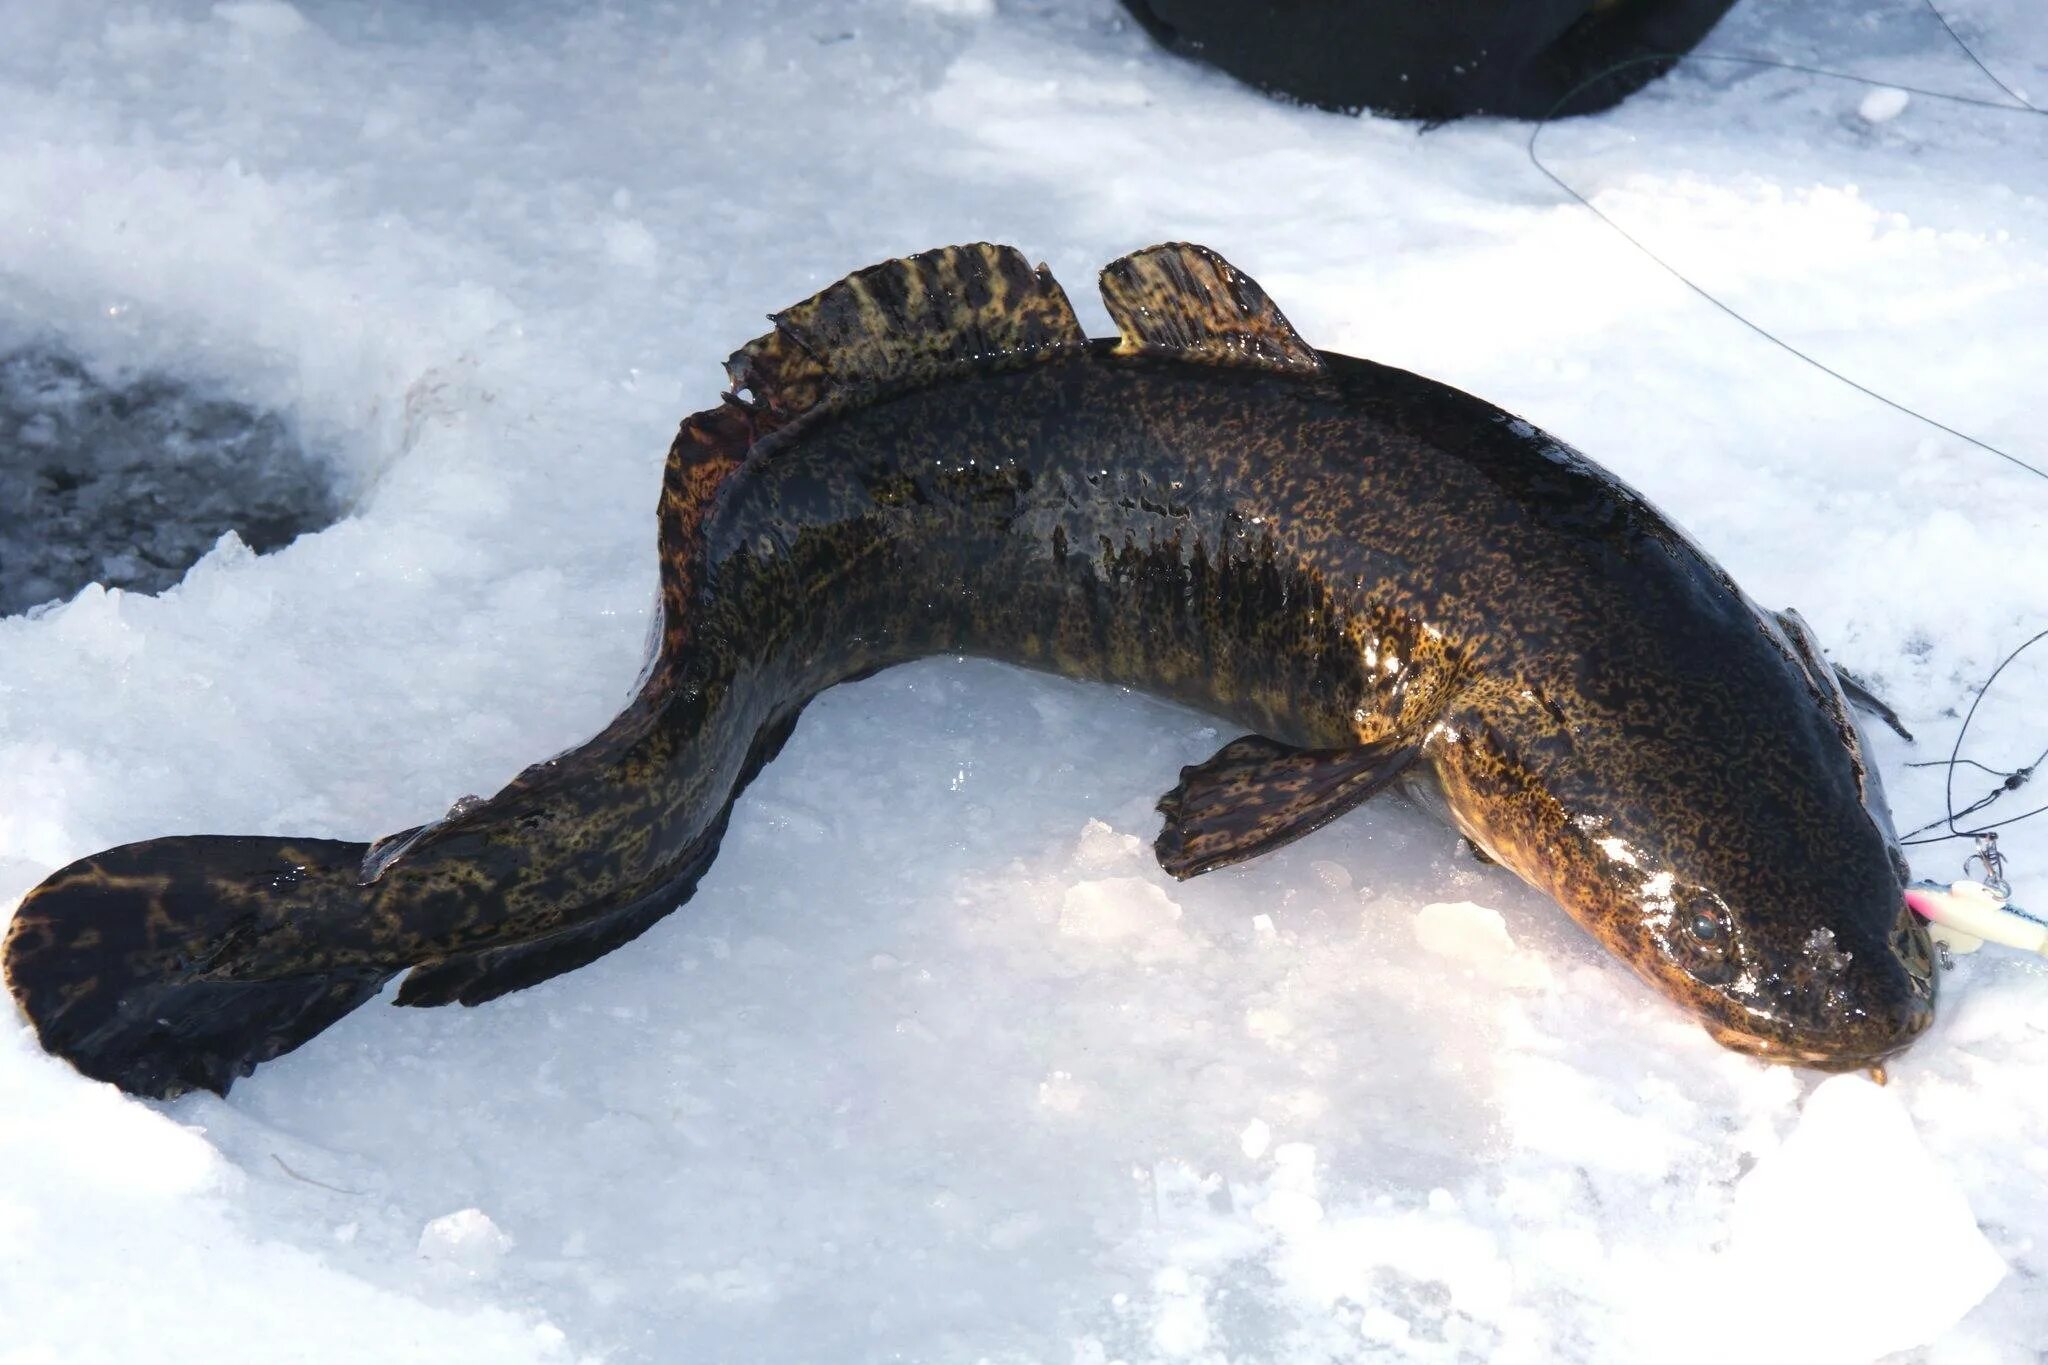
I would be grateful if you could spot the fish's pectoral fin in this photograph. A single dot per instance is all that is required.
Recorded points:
(1863, 699)
(1181, 299)
(1838, 687)
(1256, 794)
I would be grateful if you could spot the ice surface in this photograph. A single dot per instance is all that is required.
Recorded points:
(938, 1066)
(1808, 1244)
(1478, 937)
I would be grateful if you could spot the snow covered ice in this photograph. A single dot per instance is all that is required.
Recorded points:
(937, 1066)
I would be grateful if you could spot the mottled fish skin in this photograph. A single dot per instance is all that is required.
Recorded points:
(1380, 575)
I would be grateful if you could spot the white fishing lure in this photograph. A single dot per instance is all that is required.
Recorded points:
(1966, 915)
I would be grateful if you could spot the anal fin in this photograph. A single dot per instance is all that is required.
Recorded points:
(1256, 794)
(473, 978)
(487, 973)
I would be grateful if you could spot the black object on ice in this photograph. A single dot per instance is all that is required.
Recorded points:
(1436, 59)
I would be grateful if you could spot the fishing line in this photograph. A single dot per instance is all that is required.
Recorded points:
(2013, 780)
(1975, 60)
(2023, 107)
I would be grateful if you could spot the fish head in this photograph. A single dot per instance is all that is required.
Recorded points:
(1736, 853)
(1820, 965)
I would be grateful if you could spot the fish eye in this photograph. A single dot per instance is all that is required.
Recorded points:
(1706, 923)
(1700, 939)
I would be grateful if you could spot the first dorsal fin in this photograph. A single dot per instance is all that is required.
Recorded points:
(1186, 300)
(906, 321)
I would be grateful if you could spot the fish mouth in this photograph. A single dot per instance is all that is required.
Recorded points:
(1816, 1051)
(1859, 1037)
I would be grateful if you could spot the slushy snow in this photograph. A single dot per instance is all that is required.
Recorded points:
(938, 1066)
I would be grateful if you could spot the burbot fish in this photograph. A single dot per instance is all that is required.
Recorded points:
(1382, 580)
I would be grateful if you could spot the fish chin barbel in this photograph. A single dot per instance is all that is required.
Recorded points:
(1382, 580)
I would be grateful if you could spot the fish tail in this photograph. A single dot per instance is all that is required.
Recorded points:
(183, 963)
(179, 964)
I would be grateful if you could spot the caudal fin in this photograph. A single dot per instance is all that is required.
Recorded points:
(180, 964)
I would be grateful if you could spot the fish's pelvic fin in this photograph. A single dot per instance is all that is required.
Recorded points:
(180, 964)
(1255, 795)
(908, 321)
(1182, 299)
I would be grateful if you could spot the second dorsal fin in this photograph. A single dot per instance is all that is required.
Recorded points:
(1183, 299)
(907, 320)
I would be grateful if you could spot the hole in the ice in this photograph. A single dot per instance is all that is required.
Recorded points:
(129, 482)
